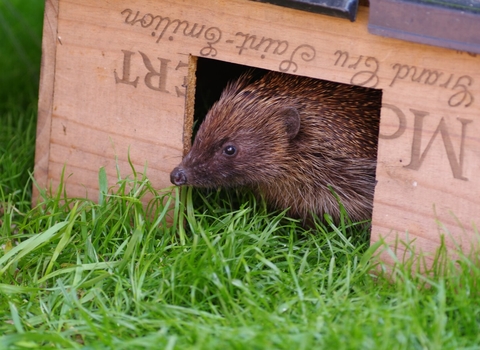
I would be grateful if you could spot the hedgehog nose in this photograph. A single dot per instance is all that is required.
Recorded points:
(178, 176)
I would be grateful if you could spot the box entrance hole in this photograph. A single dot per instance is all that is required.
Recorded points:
(212, 76)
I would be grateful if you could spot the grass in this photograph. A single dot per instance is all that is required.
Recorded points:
(75, 274)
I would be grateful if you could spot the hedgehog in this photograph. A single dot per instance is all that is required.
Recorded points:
(302, 144)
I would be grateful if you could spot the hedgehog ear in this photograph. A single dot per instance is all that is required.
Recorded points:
(291, 118)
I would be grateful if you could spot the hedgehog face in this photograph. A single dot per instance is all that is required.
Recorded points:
(244, 140)
(237, 151)
(226, 162)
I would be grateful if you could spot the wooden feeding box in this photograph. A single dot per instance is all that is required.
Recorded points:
(118, 80)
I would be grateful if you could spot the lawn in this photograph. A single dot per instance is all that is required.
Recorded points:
(110, 275)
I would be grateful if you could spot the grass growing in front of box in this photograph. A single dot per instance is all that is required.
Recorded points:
(76, 274)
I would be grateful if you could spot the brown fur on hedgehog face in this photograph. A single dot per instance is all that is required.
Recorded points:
(229, 150)
(292, 139)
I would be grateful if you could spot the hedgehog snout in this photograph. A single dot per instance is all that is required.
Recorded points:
(178, 176)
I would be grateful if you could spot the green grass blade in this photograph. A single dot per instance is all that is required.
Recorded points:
(29, 245)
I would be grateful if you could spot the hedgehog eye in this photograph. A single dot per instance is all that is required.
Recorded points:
(230, 150)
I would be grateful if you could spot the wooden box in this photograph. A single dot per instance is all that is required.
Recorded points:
(114, 77)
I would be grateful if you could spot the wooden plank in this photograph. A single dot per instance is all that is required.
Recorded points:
(120, 81)
(45, 97)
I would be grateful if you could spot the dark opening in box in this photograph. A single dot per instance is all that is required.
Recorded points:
(212, 77)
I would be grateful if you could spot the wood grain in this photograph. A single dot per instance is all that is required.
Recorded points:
(119, 89)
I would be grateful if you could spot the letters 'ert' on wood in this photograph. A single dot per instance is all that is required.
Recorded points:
(114, 84)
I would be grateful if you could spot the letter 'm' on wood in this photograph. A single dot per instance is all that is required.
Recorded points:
(417, 157)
